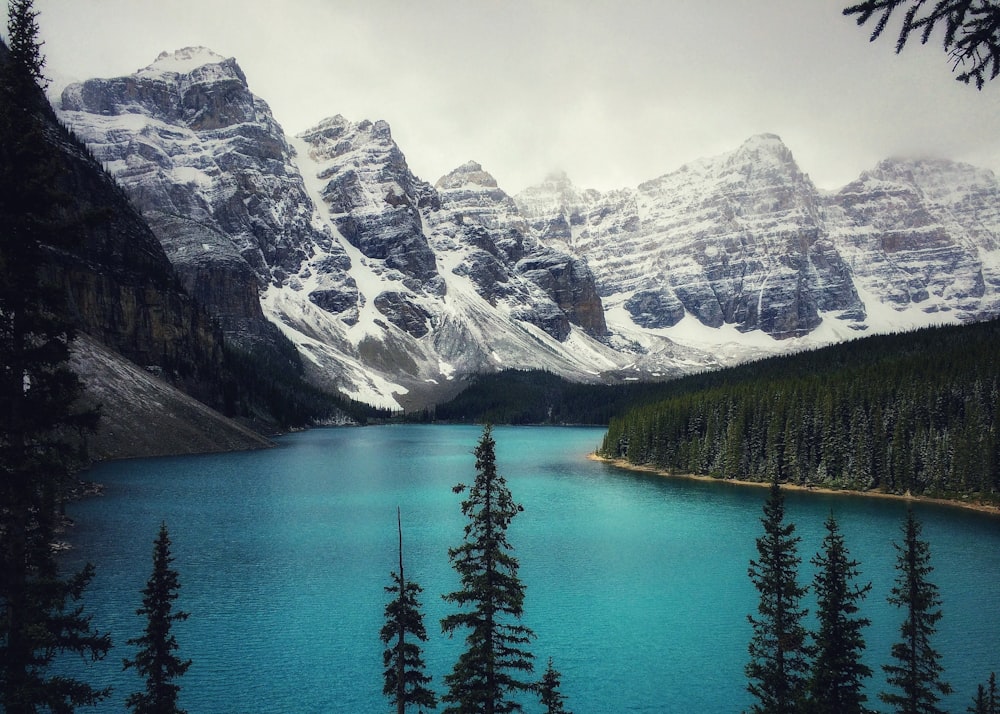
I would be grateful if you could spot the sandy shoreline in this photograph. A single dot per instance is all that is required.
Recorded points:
(968, 505)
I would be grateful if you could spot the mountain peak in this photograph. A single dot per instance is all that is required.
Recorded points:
(183, 61)
(761, 145)
(468, 174)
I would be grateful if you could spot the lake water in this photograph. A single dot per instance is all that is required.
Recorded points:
(637, 585)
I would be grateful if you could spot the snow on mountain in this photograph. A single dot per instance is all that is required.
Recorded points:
(746, 240)
(209, 167)
(394, 289)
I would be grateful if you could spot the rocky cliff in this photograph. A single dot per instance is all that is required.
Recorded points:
(746, 240)
(393, 289)
(131, 313)
(208, 166)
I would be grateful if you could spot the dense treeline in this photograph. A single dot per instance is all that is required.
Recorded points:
(915, 412)
(538, 397)
(269, 386)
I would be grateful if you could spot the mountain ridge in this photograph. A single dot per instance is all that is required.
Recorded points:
(394, 289)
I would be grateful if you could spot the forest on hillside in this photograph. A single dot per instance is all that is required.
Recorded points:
(915, 412)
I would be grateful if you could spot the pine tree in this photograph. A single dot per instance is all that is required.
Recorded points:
(156, 660)
(980, 704)
(22, 38)
(39, 614)
(405, 681)
(916, 675)
(971, 31)
(837, 682)
(779, 663)
(986, 701)
(548, 691)
(491, 598)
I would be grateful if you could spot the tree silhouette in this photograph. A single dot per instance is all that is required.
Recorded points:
(156, 660)
(548, 691)
(491, 598)
(971, 30)
(39, 614)
(778, 652)
(837, 682)
(405, 681)
(916, 675)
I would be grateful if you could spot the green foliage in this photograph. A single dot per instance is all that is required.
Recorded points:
(917, 412)
(971, 30)
(405, 681)
(916, 673)
(778, 666)
(490, 600)
(836, 685)
(156, 660)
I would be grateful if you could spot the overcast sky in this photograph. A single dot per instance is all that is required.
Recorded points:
(614, 92)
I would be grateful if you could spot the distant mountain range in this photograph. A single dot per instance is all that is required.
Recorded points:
(393, 289)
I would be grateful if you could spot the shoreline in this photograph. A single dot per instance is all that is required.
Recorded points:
(987, 508)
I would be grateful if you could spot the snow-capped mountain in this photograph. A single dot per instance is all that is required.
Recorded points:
(392, 287)
(210, 169)
(746, 240)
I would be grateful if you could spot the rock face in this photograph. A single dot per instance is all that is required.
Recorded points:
(731, 240)
(393, 288)
(923, 234)
(132, 315)
(509, 261)
(745, 239)
(208, 166)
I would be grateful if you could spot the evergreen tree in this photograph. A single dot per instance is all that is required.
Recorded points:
(980, 704)
(548, 691)
(22, 39)
(779, 664)
(491, 598)
(971, 30)
(916, 673)
(39, 612)
(837, 682)
(405, 681)
(156, 659)
(986, 701)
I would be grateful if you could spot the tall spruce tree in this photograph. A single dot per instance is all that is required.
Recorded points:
(548, 691)
(40, 615)
(916, 673)
(836, 685)
(405, 681)
(779, 661)
(491, 598)
(156, 660)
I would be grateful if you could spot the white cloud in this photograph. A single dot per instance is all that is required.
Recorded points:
(612, 91)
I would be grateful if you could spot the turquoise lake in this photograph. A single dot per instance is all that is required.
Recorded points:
(636, 584)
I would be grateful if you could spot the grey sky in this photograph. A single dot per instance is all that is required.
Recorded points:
(614, 92)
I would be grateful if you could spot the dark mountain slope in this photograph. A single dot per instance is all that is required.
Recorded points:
(122, 291)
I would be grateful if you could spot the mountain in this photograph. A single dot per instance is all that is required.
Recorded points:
(150, 356)
(746, 240)
(394, 290)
